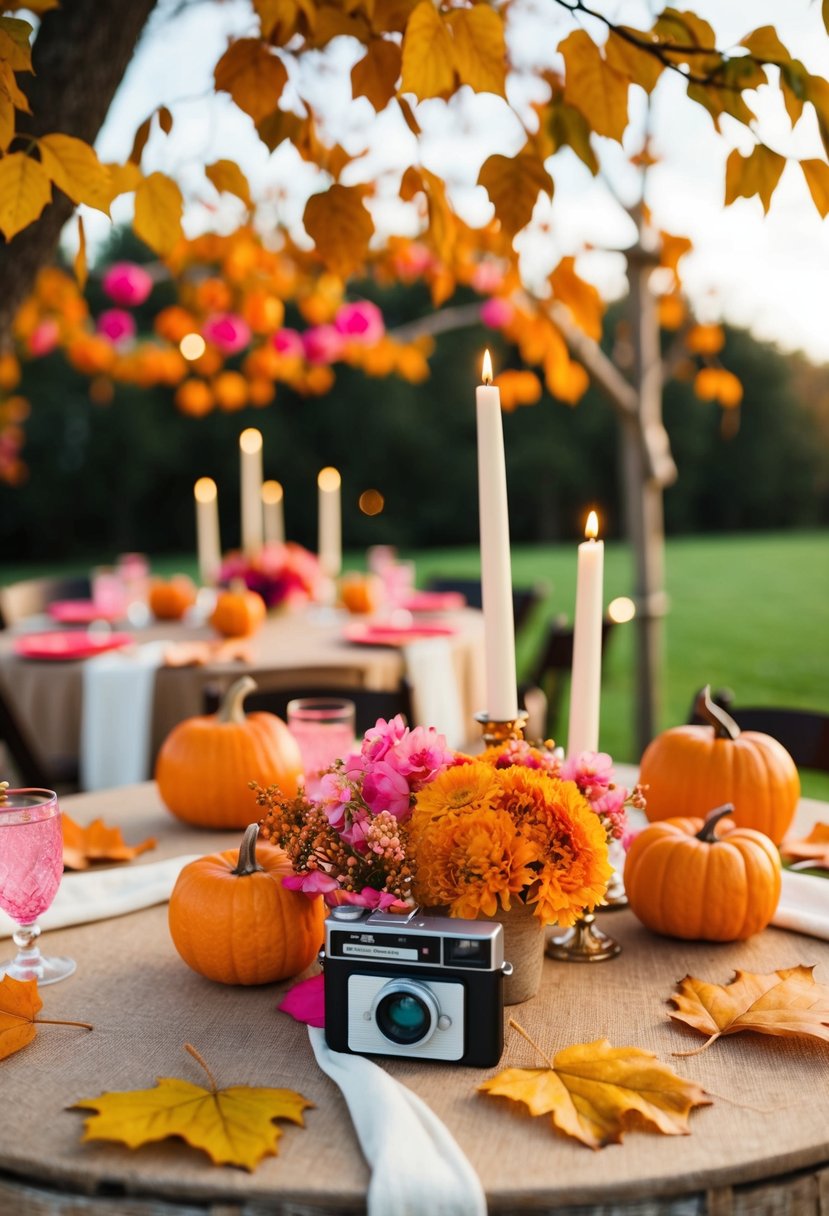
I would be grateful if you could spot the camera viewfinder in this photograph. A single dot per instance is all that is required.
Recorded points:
(467, 952)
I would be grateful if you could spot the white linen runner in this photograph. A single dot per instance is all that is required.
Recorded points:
(116, 716)
(804, 904)
(436, 697)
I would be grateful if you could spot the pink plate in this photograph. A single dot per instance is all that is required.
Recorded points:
(68, 644)
(435, 601)
(79, 612)
(392, 635)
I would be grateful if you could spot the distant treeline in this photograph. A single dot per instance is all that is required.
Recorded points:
(108, 478)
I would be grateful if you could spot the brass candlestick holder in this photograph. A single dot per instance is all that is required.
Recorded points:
(495, 732)
(583, 943)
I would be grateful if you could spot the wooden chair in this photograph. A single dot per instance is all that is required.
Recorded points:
(524, 599)
(803, 732)
(30, 769)
(369, 703)
(553, 664)
(32, 596)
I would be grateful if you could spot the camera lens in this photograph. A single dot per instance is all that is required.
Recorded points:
(406, 1013)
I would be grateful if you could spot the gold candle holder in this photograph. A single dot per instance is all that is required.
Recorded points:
(583, 943)
(495, 732)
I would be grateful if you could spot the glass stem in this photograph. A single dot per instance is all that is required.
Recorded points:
(25, 938)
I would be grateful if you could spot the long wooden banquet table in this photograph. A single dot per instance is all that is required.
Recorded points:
(761, 1147)
(289, 647)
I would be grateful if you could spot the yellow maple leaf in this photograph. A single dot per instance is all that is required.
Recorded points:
(513, 184)
(340, 226)
(228, 177)
(375, 75)
(580, 298)
(764, 43)
(640, 66)
(786, 1003)
(7, 120)
(758, 173)
(79, 265)
(480, 52)
(567, 127)
(11, 89)
(25, 190)
(19, 1006)
(14, 43)
(816, 173)
(234, 1126)
(75, 169)
(252, 75)
(96, 842)
(593, 86)
(428, 54)
(595, 1092)
(158, 209)
(123, 179)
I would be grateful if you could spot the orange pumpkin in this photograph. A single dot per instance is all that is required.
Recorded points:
(232, 920)
(703, 880)
(361, 593)
(206, 763)
(238, 612)
(688, 769)
(169, 600)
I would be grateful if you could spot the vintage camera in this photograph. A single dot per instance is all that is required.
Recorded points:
(424, 987)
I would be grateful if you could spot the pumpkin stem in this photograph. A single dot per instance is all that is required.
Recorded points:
(707, 831)
(247, 863)
(714, 715)
(232, 706)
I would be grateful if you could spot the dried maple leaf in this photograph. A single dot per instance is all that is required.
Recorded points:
(233, 1126)
(96, 842)
(19, 1004)
(786, 1003)
(595, 1092)
(813, 848)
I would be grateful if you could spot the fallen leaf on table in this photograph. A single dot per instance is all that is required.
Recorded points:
(234, 1126)
(199, 654)
(305, 1002)
(814, 847)
(788, 1003)
(19, 1005)
(96, 842)
(595, 1092)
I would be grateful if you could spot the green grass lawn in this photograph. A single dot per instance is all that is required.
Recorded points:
(750, 612)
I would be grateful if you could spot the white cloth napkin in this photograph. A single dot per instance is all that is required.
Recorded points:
(417, 1168)
(804, 904)
(116, 716)
(102, 894)
(436, 697)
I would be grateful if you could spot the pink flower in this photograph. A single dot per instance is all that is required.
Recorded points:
(312, 883)
(496, 313)
(288, 342)
(227, 331)
(44, 337)
(420, 756)
(487, 277)
(589, 770)
(362, 322)
(385, 789)
(357, 831)
(334, 794)
(116, 325)
(126, 283)
(322, 344)
(381, 738)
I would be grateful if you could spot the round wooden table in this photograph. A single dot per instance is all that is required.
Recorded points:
(761, 1147)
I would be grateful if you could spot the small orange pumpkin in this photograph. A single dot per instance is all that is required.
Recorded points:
(169, 600)
(238, 612)
(232, 920)
(361, 593)
(703, 880)
(688, 769)
(206, 763)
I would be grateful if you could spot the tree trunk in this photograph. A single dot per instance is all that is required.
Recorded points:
(81, 52)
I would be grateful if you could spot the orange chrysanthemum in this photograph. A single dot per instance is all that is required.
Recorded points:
(465, 787)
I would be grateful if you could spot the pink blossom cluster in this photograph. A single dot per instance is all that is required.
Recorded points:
(283, 574)
(360, 321)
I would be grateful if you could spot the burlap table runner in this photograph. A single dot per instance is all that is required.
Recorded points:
(770, 1114)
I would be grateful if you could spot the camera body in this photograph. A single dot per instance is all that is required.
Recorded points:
(420, 987)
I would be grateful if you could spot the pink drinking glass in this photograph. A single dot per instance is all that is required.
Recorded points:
(31, 865)
(324, 729)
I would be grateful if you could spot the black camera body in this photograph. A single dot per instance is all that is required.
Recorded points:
(414, 986)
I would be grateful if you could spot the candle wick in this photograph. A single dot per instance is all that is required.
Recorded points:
(487, 379)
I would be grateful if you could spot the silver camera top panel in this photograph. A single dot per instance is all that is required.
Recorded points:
(414, 939)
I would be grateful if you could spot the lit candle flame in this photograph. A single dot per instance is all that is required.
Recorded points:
(486, 373)
(205, 489)
(250, 440)
(591, 528)
(328, 479)
(271, 491)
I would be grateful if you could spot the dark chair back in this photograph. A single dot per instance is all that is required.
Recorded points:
(803, 732)
(369, 703)
(554, 662)
(30, 768)
(524, 599)
(31, 596)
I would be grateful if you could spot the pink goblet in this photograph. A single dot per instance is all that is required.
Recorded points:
(31, 865)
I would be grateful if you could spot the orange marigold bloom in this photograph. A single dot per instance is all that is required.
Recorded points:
(466, 787)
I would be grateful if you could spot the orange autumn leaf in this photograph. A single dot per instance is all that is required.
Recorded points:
(581, 298)
(513, 184)
(595, 88)
(375, 75)
(758, 173)
(96, 842)
(340, 227)
(814, 847)
(25, 190)
(252, 75)
(705, 339)
(595, 1092)
(428, 54)
(19, 1005)
(816, 173)
(479, 48)
(787, 1003)
(158, 209)
(234, 1126)
(227, 177)
(518, 388)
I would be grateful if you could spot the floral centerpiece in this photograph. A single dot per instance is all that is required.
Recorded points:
(407, 820)
(283, 574)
